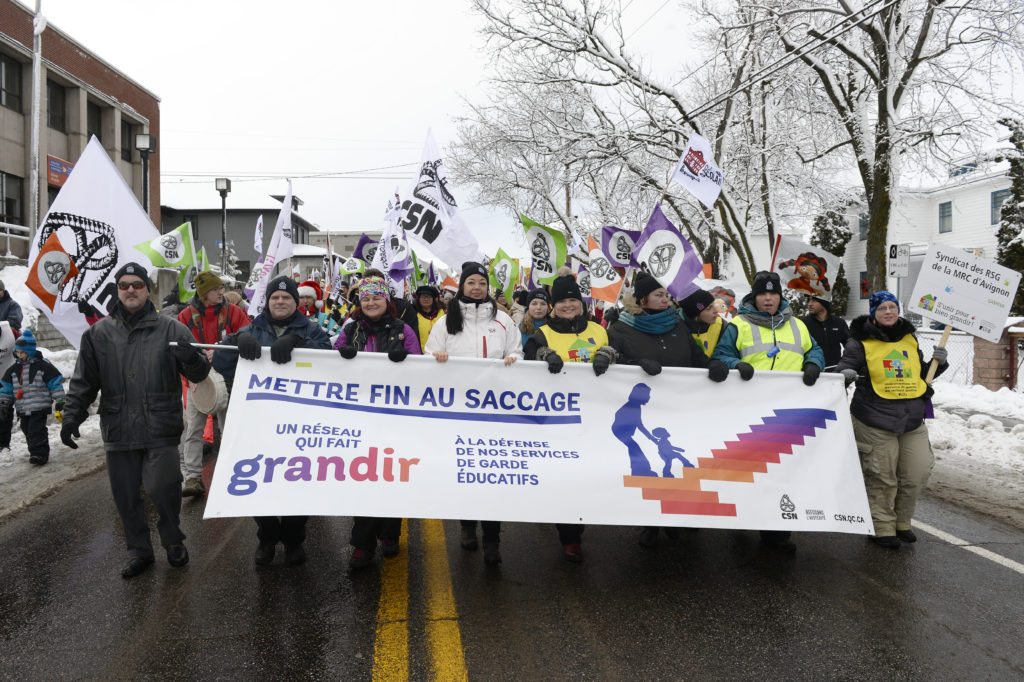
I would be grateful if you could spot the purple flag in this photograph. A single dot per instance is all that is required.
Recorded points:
(431, 275)
(666, 255)
(619, 246)
(359, 252)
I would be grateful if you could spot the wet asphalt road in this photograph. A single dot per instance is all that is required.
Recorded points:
(709, 605)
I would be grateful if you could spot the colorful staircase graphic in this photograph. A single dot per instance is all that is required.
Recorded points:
(737, 461)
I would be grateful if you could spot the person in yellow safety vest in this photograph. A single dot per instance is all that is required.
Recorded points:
(570, 336)
(428, 311)
(767, 337)
(888, 409)
(701, 316)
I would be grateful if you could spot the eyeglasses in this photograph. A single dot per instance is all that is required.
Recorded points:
(125, 286)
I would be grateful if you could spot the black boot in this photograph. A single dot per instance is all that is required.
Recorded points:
(177, 555)
(887, 541)
(492, 556)
(265, 554)
(468, 540)
(135, 566)
(906, 535)
(649, 537)
(294, 555)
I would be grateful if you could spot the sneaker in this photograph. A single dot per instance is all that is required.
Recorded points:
(649, 537)
(389, 547)
(193, 487)
(135, 566)
(360, 559)
(573, 552)
(907, 535)
(177, 555)
(492, 555)
(265, 554)
(469, 539)
(887, 541)
(6, 458)
(38, 460)
(294, 555)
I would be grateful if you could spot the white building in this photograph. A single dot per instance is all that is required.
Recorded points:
(963, 212)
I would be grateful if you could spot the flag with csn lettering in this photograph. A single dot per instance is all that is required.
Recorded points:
(619, 246)
(697, 171)
(365, 249)
(504, 273)
(547, 249)
(667, 256)
(171, 250)
(52, 269)
(605, 280)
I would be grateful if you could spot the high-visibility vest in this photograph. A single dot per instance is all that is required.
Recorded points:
(707, 340)
(780, 349)
(894, 368)
(576, 347)
(425, 325)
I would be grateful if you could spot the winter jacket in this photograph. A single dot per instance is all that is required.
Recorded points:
(537, 324)
(382, 336)
(424, 324)
(210, 324)
(726, 350)
(266, 332)
(893, 415)
(129, 359)
(481, 336)
(830, 335)
(407, 314)
(590, 337)
(674, 348)
(10, 311)
(32, 385)
(705, 335)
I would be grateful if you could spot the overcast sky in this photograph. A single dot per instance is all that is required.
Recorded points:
(307, 87)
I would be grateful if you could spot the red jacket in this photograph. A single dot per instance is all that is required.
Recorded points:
(211, 324)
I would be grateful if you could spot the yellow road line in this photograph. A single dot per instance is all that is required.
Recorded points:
(391, 644)
(444, 639)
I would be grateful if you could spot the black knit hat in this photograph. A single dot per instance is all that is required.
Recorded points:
(696, 303)
(643, 285)
(472, 268)
(134, 269)
(565, 287)
(537, 293)
(825, 303)
(427, 290)
(766, 282)
(286, 284)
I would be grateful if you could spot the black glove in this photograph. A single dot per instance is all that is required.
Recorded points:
(849, 376)
(67, 430)
(184, 353)
(811, 373)
(281, 350)
(248, 346)
(347, 352)
(555, 362)
(746, 371)
(603, 359)
(398, 354)
(717, 371)
(652, 367)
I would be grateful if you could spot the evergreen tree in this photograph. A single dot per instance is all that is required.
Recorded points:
(831, 232)
(1010, 237)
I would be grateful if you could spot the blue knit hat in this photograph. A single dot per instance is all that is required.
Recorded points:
(877, 299)
(26, 342)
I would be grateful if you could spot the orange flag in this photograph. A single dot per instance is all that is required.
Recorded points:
(52, 269)
(605, 281)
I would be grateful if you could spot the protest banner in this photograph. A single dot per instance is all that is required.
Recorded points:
(325, 436)
(808, 269)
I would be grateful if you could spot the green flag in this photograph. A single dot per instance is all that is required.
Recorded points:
(504, 272)
(547, 249)
(352, 266)
(171, 250)
(204, 261)
(416, 276)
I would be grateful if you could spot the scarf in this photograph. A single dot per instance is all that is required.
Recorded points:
(651, 323)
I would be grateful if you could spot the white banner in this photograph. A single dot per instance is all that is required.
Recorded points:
(280, 248)
(964, 291)
(697, 171)
(808, 269)
(476, 439)
(98, 221)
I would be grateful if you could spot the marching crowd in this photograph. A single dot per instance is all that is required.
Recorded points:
(135, 359)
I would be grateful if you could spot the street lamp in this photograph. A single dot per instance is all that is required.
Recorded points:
(145, 144)
(223, 186)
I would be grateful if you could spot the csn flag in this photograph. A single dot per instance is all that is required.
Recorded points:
(172, 250)
(619, 246)
(393, 256)
(430, 215)
(365, 248)
(547, 248)
(280, 248)
(97, 220)
(698, 173)
(258, 237)
(51, 270)
(805, 268)
(605, 281)
(504, 273)
(667, 256)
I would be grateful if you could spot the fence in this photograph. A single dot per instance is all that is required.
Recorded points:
(15, 232)
(961, 355)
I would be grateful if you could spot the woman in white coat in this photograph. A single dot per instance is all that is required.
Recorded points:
(474, 327)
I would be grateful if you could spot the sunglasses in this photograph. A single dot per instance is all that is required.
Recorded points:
(125, 286)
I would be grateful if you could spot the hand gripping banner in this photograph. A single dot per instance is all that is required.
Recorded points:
(472, 438)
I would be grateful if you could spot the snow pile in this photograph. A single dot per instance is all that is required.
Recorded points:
(1002, 403)
(63, 360)
(14, 277)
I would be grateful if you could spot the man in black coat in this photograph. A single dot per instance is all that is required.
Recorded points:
(135, 357)
(10, 311)
(831, 333)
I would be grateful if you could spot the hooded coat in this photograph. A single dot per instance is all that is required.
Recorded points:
(726, 349)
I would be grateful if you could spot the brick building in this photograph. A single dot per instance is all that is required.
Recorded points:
(81, 96)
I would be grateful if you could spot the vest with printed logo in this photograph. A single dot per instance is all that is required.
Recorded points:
(709, 339)
(894, 368)
(576, 347)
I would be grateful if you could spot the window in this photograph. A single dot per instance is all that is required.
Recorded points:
(51, 195)
(92, 120)
(11, 204)
(865, 286)
(863, 223)
(55, 110)
(945, 217)
(126, 140)
(998, 198)
(10, 83)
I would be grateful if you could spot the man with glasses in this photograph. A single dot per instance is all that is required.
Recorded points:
(135, 357)
(210, 319)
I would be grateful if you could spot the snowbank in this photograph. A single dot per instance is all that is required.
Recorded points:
(1002, 403)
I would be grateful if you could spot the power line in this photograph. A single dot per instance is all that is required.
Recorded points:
(663, 5)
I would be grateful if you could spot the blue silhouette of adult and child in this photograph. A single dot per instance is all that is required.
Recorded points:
(628, 421)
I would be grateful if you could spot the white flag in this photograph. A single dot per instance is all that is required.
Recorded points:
(98, 221)
(259, 235)
(697, 171)
(279, 249)
(430, 215)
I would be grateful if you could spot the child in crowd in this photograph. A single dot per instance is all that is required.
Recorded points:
(30, 386)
